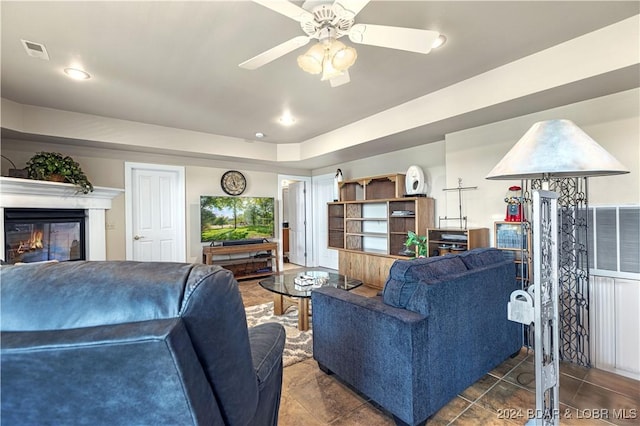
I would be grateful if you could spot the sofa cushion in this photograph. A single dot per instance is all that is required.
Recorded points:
(482, 257)
(406, 275)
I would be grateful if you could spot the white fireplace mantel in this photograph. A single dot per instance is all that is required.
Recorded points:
(27, 193)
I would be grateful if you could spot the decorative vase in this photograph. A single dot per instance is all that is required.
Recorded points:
(56, 178)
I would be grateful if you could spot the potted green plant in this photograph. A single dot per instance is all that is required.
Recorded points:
(420, 243)
(55, 167)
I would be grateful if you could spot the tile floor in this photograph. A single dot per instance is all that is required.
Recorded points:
(504, 396)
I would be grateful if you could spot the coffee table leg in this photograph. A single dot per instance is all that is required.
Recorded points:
(303, 313)
(278, 304)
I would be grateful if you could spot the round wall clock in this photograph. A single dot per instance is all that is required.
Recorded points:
(233, 182)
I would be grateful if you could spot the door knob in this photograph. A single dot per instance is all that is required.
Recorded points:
(138, 237)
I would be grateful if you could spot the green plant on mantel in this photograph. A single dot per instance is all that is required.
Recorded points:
(55, 167)
(419, 241)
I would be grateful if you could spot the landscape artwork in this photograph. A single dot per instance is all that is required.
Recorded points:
(225, 218)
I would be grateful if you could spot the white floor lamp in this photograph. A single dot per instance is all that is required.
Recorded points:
(550, 149)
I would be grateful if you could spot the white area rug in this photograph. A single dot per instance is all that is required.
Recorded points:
(298, 345)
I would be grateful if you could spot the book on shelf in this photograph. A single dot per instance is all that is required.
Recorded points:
(402, 213)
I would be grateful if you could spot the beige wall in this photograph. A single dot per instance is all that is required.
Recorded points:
(613, 121)
(430, 157)
(106, 168)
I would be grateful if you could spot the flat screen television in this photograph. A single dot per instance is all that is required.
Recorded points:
(225, 218)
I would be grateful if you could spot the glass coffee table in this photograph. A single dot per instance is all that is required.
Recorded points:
(299, 285)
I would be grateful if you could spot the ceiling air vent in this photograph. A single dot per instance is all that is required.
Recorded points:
(37, 50)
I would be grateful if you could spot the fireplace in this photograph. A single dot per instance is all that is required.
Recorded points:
(36, 235)
(28, 194)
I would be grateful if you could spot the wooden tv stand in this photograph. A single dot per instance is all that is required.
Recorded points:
(253, 265)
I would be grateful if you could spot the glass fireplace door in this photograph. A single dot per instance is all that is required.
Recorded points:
(36, 235)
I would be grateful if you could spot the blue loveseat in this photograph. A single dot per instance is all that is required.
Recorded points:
(439, 326)
(132, 343)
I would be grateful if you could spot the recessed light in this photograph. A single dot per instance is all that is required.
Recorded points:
(286, 119)
(77, 74)
(259, 135)
(439, 41)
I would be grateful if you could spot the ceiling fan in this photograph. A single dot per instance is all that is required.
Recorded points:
(326, 22)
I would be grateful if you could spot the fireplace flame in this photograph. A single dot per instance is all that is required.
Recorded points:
(33, 243)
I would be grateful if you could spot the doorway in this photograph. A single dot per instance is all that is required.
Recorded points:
(155, 213)
(323, 193)
(296, 221)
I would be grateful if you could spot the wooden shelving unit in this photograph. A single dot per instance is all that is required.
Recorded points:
(378, 227)
(369, 225)
(336, 226)
(371, 269)
(373, 188)
(515, 239)
(366, 227)
(400, 224)
(451, 240)
(245, 261)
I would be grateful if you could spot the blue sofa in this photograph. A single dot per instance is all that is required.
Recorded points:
(439, 326)
(133, 343)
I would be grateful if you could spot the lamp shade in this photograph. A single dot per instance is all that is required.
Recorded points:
(556, 148)
(312, 60)
(342, 56)
(329, 72)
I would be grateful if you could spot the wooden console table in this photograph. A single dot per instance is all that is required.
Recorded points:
(260, 260)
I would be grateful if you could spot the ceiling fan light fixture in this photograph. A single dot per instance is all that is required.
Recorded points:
(327, 21)
(329, 72)
(342, 56)
(311, 61)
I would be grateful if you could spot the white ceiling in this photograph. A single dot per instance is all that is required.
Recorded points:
(175, 64)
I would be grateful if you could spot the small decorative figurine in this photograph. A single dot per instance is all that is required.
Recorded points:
(336, 185)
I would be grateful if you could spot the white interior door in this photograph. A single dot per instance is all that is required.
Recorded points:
(323, 192)
(297, 223)
(155, 213)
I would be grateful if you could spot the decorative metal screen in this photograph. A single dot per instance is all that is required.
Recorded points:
(546, 318)
(573, 266)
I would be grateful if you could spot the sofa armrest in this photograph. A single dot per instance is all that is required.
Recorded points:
(372, 346)
(267, 346)
(146, 372)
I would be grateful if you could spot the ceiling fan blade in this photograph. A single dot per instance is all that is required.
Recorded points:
(274, 53)
(341, 79)
(287, 9)
(353, 6)
(410, 39)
